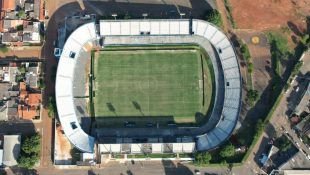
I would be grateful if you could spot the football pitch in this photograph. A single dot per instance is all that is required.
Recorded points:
(149, 83)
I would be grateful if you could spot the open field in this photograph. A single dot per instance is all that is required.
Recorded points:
(150, 83)
(270, 14)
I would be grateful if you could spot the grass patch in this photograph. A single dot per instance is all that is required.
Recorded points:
(229, 14)
(151, 82)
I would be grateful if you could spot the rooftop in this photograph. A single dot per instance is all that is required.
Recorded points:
(11, 37)
(11, 149)
(8, 5)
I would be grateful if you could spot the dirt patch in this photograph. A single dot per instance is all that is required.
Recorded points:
(63, 147)
(269, 14)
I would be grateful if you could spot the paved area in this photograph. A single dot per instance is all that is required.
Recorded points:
(260, 55)
(279, 123)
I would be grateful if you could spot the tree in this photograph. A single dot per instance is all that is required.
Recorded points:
(52, 108)
(250, 67)
(214, 17)
(21, 14)
(19, 28)
(32, 144)
(245, 52)
(203, 158)
(26, 161)
(30, 149)
(227, 151)
(253, 95)
(4, 49)
(284, 144)
(305, 39)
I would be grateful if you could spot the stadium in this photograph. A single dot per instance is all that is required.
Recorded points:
(174, 84)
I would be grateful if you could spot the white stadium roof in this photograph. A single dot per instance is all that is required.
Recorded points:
(87, 32)
(64, 87)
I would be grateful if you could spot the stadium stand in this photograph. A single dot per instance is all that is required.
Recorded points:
(86, 34)
(65, 77)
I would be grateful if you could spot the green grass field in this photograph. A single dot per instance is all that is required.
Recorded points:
(149, 83)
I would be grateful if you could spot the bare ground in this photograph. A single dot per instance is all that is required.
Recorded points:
(269, 14)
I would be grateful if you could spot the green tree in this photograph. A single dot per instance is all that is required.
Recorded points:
(259, 125)
(250, 67)
(127, 16)
(30, 149)
(284, 144)
(51, 107)
(21, 14)
(203, 158)
(213, 16)
(4, 49)
(253, 95)
(19, 28)
(26, 161)
(305, 39)
(245, 52)
(32, 145)
(227, 151)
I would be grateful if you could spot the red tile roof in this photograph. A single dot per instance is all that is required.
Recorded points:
(8, 5)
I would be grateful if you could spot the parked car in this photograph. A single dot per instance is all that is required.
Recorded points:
(130, 124)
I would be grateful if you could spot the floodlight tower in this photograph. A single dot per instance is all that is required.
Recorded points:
(182, 14)
(145, 15)
(114, 15)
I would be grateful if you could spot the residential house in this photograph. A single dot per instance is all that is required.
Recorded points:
(12, 109)
(4, 74)
(8, 5)
(11, 149)
(12, 39)
(29, 7)
(304, 103)
(8, 9)
(10, 25)
(304, 126)
(32, 76)
(29, 103)
(33, 8)
(31, 32)
(8, 73)
(19, 4)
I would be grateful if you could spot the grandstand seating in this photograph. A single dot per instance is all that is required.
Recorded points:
(87, 33)
(65, 78)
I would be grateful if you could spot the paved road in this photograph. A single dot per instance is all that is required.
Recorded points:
(280, 120)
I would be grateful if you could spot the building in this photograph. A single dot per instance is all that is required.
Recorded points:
(86, 35)
(14, 38)
(11, 25)
(28, 7)
(31, 32)
(304, 103)
(11, 149)
(32, 77)
(8, 5)
(29, 103)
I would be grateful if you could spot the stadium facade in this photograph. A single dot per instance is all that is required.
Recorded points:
(227, 106)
